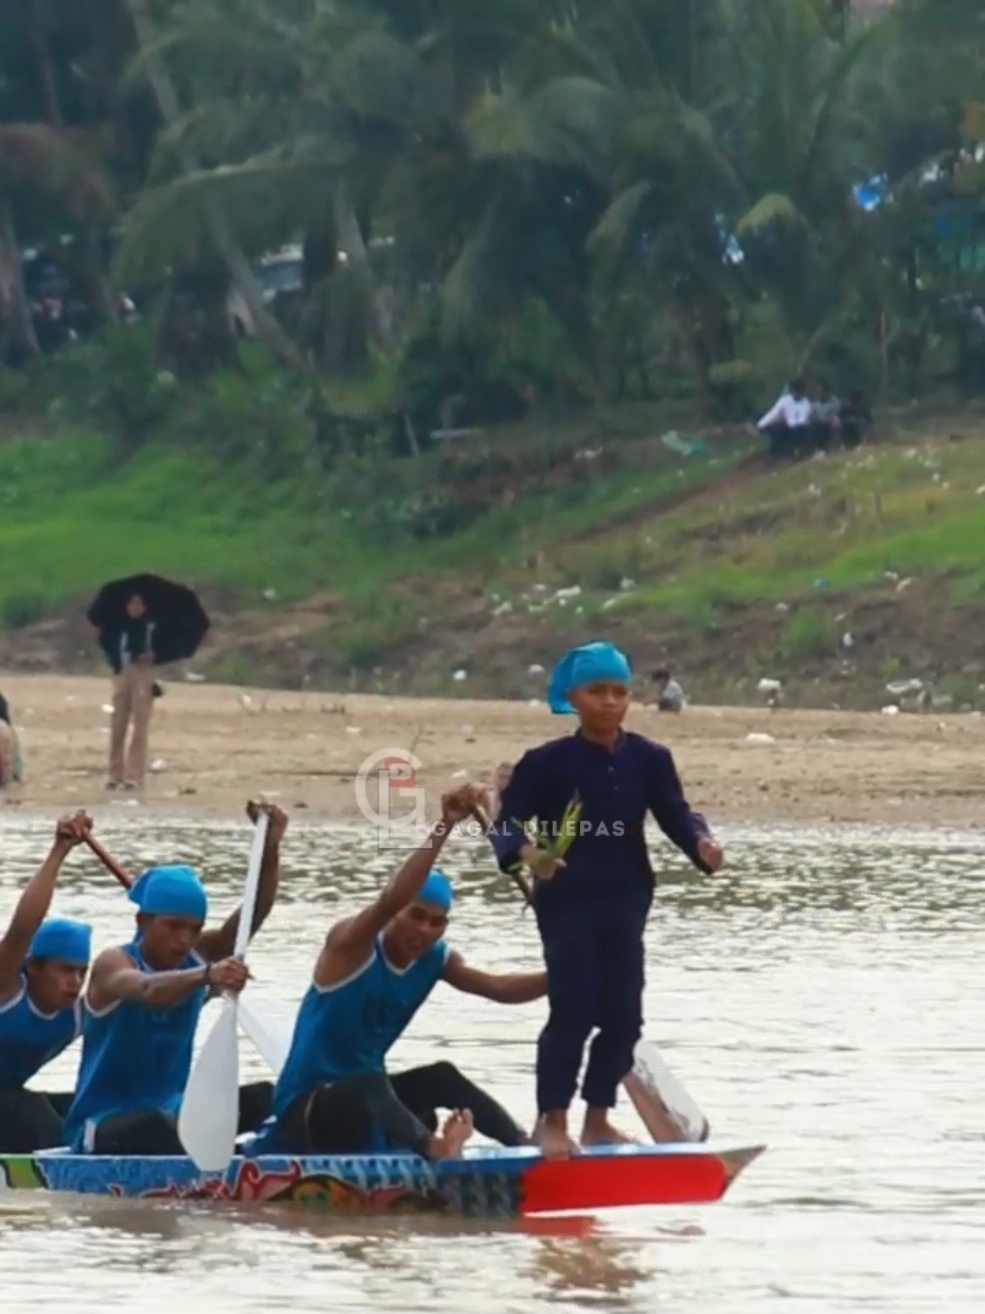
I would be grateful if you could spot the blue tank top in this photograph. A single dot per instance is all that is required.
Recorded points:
(29, 1038)
(134, 1059)
(346, 1030)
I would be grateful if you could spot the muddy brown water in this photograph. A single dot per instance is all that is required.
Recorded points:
(824, 994)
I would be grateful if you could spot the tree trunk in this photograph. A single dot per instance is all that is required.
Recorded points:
(21, 342)
(350, 238)
(241, 276)
(47, 82)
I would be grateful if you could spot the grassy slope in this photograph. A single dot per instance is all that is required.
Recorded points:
(70, 517)
(739, 543)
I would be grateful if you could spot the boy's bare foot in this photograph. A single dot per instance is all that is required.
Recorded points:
(551, 1137)
(456, 1131)
(598, 1130)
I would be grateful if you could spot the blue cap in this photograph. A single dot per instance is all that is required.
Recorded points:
(171, 892)
(61, 938)
(586, 665)
(437, 889)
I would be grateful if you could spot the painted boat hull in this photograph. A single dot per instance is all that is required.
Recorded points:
(486, 1183)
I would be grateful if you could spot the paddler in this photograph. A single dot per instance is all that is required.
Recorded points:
(373, 972)
(43, 964)
(592, 905)
(142, 1006)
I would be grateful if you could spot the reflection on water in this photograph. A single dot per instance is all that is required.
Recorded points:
(823, 994)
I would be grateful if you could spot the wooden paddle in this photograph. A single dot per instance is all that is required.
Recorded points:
(209, 1116)
(668, 1112)
(270, 1037)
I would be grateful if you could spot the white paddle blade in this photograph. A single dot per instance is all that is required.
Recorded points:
(661, 1100)
(271, 1037)
(210, 1109)
(209, 1114)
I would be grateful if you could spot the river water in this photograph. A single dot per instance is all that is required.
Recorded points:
(824, 994)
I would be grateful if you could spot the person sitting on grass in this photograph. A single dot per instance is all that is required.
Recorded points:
(787, 423)
(670, 695)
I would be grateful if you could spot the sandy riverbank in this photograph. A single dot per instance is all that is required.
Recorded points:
(305, 750)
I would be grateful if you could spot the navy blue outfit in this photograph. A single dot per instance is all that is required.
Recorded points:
(592, 914)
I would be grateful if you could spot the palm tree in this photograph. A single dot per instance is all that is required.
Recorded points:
(300, 114)
(40, 168)
(216, 223)
(715, 117)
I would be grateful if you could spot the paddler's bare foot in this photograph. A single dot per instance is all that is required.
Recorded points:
(551, 1137)
(598, 1130)
(456, 1131)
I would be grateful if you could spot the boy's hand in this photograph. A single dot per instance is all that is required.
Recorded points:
(543, 866)
(711, 853)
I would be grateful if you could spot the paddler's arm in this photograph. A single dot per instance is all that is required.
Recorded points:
(500, 987)
(115, 979)
(219, 943)
(32, 906)
(350, 942)
(665, 799)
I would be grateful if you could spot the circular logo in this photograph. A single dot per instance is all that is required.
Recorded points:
(391, 774)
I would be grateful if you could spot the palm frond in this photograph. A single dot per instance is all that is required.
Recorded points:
(469, 290)
(621, 217)
(379, 77)
(47, 162)
(846, 64)
(226, 44)
(770, 209)
(576, 122)
(257, 198)
(498, 127)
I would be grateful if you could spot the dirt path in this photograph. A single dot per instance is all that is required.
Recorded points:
(218, 745)
(742, 473)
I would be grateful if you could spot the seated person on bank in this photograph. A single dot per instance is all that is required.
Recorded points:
(856, 420)
(825, 418)
(787, 423)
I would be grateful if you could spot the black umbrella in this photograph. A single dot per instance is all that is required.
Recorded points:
(180, 622)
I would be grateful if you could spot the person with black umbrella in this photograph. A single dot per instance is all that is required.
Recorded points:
(133, 696)
(141, 622)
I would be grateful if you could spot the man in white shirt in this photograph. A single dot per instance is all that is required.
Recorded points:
(787, 423)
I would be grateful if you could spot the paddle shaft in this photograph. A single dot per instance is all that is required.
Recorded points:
(517, 877)
(265, 1035)
(109, 862)
(244, 930)
(126, 880)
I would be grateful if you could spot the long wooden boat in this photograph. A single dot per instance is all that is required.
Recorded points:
(487, 1182)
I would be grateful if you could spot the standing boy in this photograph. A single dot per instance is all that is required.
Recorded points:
(592, 906)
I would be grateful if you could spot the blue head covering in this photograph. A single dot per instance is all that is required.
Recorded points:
(171, 892)
(61, 938)
(586, 665)
(437, 889)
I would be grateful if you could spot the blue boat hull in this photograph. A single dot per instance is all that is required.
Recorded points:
(488, 1183)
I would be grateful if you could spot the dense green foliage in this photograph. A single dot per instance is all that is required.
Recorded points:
(502, 204)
